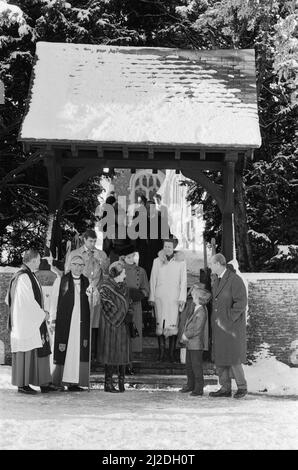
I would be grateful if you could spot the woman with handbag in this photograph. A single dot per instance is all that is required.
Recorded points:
(114, 348)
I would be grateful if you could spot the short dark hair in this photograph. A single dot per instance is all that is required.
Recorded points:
(89, 234)
(110, 200)
(157, 196)
(29, 255)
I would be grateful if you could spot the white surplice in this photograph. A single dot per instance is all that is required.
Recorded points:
(71, 372)
(27, 316)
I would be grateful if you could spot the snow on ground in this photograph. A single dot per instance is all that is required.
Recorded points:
(155, 419)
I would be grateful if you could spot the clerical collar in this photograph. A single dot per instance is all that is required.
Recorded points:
(222, 274)
(76, 278)
(170, 257)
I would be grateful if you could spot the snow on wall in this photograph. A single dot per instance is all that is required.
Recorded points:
(143, 95)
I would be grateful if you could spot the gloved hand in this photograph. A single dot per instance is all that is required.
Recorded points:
(135, 294)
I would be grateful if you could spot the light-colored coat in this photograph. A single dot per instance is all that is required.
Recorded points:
(168, 286)
(229, 302)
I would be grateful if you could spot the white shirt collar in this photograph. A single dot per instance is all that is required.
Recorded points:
(222, 274)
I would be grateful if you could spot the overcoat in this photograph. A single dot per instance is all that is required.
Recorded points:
(136, 278)
(228, 320)
(196, 329)
(64, 314)
(168, 287)
(113, 343)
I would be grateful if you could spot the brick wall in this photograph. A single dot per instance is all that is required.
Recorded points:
(272, 315)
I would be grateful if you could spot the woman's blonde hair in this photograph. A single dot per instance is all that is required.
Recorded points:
(203, 294)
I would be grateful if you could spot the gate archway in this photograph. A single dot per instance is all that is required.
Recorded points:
(143, 108)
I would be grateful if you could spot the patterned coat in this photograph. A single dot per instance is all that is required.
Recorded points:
(113, 346)
(228, 320)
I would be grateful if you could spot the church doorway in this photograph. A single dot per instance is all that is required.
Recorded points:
(145, 182)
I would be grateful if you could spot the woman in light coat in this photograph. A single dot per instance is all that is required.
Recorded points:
(168, 288)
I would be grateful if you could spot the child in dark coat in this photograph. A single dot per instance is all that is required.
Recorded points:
(195, 338)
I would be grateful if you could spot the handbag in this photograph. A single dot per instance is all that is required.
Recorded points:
(133, 331)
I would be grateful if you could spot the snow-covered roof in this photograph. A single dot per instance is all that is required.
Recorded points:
(137, 95)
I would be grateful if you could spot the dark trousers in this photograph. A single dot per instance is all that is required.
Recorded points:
(227, 373)
(94, 343)
(194, 370)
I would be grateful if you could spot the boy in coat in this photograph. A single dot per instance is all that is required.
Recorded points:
(195, 337)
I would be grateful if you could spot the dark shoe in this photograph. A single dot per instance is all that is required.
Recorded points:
(121, 377)
(185, 389)
(110, 388)
(49, 388)
(129, 370)
(196, 394)
(172, 348)
(75, 388)
(121, 386)
(161, 348)
(240, 393)
(27, 389)
(220, 393)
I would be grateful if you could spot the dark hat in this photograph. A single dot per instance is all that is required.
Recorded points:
(128, 250)
(172, 239)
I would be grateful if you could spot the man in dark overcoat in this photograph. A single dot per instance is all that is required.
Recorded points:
(229, 304)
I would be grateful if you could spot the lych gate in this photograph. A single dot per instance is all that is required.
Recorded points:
(92, 107)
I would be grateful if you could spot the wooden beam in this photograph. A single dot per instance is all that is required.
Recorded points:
(150, 153)
(65, 144)
(228, 235)
(54, 170)
(99, 151)
(34, 158)
(177, 154)
(125, 153)
(76, 180)
(74, 150)
(140, 164)
(212, 188)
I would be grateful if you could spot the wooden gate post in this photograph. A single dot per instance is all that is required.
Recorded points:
(228, 236)
(53, 164)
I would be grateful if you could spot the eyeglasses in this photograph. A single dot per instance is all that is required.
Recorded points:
(77, 264)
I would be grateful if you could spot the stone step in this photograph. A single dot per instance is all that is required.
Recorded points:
(159, 368)
(150, 380)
